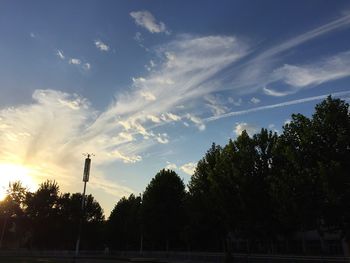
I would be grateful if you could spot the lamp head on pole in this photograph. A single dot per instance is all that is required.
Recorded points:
(87, 166)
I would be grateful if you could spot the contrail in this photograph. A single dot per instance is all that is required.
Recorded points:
(278, 105)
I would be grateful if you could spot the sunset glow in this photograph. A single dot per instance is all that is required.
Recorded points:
(15, 172)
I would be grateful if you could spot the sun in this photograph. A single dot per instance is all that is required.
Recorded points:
(15, 172)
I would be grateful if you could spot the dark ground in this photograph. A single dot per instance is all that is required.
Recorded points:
(56, 260)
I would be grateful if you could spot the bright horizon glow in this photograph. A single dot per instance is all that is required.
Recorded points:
(10, 172)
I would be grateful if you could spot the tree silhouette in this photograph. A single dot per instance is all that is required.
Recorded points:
(163, 209)
(124, 224)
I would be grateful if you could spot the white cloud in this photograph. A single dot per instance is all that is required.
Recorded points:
(127, 136)
(101, 46)
(146, 20)
(150, 65)
(75, 61)
(235, 102)
(32, 35)
(148, 95)
(197, 121)
(216, 105)
(162, 138)
(274, 93)
(59, 53)
(255, 100)
(171, 166)
(189, 168)
(154, 118)
(87, 66)
(329, 69)
(249, 128)
(125, 158)
(169, 117)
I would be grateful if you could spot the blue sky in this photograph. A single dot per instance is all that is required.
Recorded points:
(151, 84)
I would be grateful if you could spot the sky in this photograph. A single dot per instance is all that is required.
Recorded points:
(151, 84)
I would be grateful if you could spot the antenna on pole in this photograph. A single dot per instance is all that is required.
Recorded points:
(86, 175)
(87, 166)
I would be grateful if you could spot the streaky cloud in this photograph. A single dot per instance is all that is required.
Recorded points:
(339, 23)
(257, 72)
(277, 105)
(329, 69)
(274, 93)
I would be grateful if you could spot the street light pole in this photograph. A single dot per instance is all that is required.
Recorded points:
(86, 176)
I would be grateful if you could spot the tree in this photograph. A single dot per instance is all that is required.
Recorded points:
(205, 227)
(124, 224)
(163, 209)
(42, 209)
(331, 129)
(12, 216)
(70, 215)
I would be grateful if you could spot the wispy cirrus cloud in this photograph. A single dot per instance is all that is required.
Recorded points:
(274, 93)
(277, 105)
(59, 53)
(216, 105)
(263, 68)
(336, 24)
(300, 76)
(101, 46)
(146, 20)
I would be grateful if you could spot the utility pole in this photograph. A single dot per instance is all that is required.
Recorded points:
(86, 176)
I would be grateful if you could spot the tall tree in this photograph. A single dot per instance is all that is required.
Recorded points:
(42, 209)
(206, 228)
(163, 212)
(12, 217)
(124, 224)
(331, 129)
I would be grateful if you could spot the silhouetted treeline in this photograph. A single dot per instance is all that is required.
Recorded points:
(255, 194)
(47, 219)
